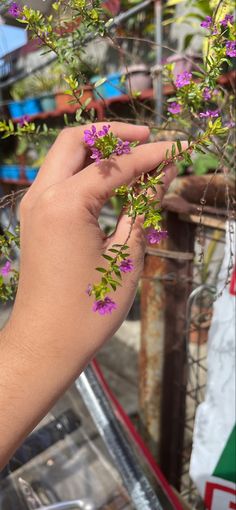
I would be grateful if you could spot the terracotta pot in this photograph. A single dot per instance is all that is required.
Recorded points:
(63, 101)
(138, 78)
(183, 63)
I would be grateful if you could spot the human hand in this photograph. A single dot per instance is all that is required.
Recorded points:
(61, 241)
(53, 332)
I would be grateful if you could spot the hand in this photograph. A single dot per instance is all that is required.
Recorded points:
(53, 331)
(61, 242)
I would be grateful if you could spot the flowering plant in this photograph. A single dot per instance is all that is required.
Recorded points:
(200, 109)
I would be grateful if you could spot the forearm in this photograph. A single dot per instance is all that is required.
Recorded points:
(35, 369)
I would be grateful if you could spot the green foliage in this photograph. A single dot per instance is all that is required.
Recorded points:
(202, 163)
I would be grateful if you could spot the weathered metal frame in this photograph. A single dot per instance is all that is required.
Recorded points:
(166, 286)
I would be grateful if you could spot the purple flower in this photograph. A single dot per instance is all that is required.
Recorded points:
(6, 268)
(24, 120)
(227, 19)
(174, 108)
(206, 94)
(231, 48)
(155, 236)
(209, 113)
(104, 130)
(104, 306)
(183, 79)
(90, 136)
(15, 9)
(126, 266)
(122, 148)
(207, 22)
(215, 31)
(96, 154)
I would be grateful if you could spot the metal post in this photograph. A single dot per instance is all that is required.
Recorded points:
(151, 349)
(157, 70)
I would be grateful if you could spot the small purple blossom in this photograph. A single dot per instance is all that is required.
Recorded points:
(214, 30)
(15, 9)
(6, 268)
(231, 48)
(209, 113)
(206, 23)
(227, 19)
(174, 108)
(96, 154)
(23, 120)
(206, 94)
(122, 148)
(104, 306)
(183, 79)
(155, 236)
(104, 130)
(90, 136)
(126, 266)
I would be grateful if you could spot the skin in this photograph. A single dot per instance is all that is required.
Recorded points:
(52, 332)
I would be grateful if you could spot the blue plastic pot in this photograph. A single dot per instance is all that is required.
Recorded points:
(31, 173)
(48, 103)
(10, 172)
(31, 106)
(16, 109)
(112, 87)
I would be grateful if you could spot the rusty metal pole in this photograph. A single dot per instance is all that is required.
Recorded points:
(152, 298)
(157, 69)
(151, 349)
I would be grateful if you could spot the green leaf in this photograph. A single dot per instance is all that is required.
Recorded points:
(196, 73)
(99, 82)
(107, 257)
(101, 269)
(179, 145)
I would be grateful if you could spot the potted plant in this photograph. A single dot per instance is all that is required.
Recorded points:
(16, 106)
(138, 78)
(23, 105)
(44, 86)
(9, 169)
(65, 101)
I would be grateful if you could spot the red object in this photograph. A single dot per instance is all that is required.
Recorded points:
(113, 6)
(212, 489)
(138, 440)
(232, 288)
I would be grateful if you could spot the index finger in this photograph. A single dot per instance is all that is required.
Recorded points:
(98, 181)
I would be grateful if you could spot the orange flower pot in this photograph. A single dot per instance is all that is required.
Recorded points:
(63, 101)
